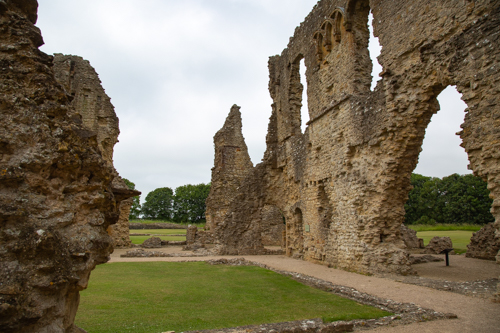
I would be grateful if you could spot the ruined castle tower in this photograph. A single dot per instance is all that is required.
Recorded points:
(98, 115)
(57, 197)
(342, 184)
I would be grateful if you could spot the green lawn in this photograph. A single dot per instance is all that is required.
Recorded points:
(445, 227)
(140, 239)
(460, 238)
(159, 231)
(158, 296)
(199, 225)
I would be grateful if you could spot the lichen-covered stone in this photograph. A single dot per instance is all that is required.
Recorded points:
(484, 244)
(342, 184)
(56, 191)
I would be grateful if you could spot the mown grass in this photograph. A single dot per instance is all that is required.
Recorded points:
(445, 227)
(199, 225)
(159, 231)
(138, 240)
(459, 238)
(460, 234)
(158, 297)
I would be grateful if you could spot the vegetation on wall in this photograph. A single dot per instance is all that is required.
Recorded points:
(456, 199)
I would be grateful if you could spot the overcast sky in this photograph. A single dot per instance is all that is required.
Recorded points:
(174, 68)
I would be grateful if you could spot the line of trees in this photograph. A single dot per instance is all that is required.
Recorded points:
(456, 199)
(186, 204)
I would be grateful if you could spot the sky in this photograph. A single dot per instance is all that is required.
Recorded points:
(174, 68)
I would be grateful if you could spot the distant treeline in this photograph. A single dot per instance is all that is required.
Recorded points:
(186, 204)
(456, 199)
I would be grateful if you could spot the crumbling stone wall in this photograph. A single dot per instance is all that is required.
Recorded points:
(343, 183)
(232, 166)
(484, 244)
(98, 115)
(56, 193)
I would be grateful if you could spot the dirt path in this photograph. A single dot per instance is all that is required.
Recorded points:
(474, 314)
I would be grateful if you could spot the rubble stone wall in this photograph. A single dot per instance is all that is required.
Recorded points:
(98, 115)
(343, 183)
(232, 166)
(57, 196)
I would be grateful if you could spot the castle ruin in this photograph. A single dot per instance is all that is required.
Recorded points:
(59, 193)
(342, 184)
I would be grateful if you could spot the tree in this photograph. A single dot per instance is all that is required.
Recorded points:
(189, 203)
(158, 204)
(135, 210)
(466, 200)
(454, 199)
(414, 207)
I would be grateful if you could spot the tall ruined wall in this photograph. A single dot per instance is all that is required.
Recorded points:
(98, 115)
(232, 166)
(343, 183)
(56, 193)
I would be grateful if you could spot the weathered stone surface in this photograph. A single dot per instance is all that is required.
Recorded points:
(424, 259)
(98, 115)
(232, 166)
(343, 183)
(273, 226)
(152, 243)
(484, 244)
(410, 237)
(438, 244)
(56, 193)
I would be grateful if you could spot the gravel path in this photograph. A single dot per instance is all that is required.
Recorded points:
(475, 314)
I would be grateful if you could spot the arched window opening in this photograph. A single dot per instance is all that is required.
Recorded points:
(374, 48)
(441, 153)
(318, 37)
(304, 111)
(328, 28)
(338, 21)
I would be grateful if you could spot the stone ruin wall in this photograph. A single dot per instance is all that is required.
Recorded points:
(343, 183)
(57, 196)
(232, 165)
(98, 115)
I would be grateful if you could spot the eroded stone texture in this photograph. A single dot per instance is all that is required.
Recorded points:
(438, 244)
(152, 243)
(232, 166)
(273, 226)
(484, 244)
(56, 193)
(98, 115)
(343, 183)
(410, 237)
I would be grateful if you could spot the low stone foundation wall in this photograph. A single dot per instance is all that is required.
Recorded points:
(156, 226)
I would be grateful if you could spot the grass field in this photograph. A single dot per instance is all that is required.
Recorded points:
(140, 239)
(199, 225)
(164, 234)
(445, 227)
(159, 231)
(459, 238)
(157, 297)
